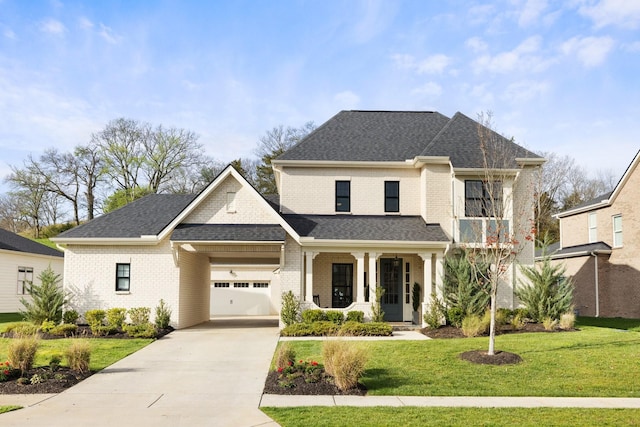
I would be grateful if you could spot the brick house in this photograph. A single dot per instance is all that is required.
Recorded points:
(599, 245)
(370, 198)
(21, 262)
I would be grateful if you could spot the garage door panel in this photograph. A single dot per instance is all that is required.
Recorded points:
(240, 298)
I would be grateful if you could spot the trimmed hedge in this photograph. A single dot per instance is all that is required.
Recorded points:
(355, 316)
(372, 329)
(349, 328)
(313, 315)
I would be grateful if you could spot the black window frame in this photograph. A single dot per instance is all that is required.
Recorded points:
(121, 278)
(341, 292)
(392, 196)
(343, 196)
(478, 201)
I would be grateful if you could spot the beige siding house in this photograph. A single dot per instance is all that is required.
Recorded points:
(599, 244)
(21, 262)
(370, 198)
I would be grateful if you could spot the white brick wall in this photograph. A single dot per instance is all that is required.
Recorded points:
(195, 289)
(9, 263)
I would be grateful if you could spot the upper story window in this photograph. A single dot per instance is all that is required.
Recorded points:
(617, 231)
(123, 277)
(25, 279)
(343, 196)
(593, 228)
(482, 199)
(392, 196)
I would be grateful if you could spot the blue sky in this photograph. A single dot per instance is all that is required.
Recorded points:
(561, 76)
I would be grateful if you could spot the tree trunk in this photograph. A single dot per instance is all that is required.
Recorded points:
(492, 325)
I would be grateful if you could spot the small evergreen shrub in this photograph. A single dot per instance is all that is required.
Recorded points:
(21, 352)
(21, 329)
(372, 329)
(377, 315)
(46, 301)
(163, 315)
(116, 317)
(79, 355)
(567, 320)
(355, 316)
(335, 316)
(435, 313)
(285, 356)
(139, 315)
(141, 330)
(313, 315)
(473, 326)
(70, 317)
(64, 330)
(95, 318)
(54, 362)
(346, 363)
(47, 325)
(316, 329)
(290, 311)
(455, 315)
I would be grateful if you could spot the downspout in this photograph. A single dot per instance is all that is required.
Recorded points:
(595, 263)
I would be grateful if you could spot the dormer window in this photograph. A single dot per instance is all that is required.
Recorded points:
(343, 196)
(392, 196)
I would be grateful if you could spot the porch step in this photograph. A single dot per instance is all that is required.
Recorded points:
(404, 326)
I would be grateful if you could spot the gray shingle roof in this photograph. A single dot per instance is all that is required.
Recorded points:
(397, 136)
(570, 251)
(146, 216)
(12, 242)
(364, 227)
(229, 232)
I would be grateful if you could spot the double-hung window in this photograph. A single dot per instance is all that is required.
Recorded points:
(343, 196)
(617, 231)
(25, 279)
(482, 198)
(123, 277)
(392, 196)
(593, 227)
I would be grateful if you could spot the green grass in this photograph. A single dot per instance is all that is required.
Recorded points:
(413, 416)
(10, 317)
(47, 242)
(612, 323)
(595, 361)
(9, 408)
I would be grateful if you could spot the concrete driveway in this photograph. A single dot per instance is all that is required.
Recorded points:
(207, 375)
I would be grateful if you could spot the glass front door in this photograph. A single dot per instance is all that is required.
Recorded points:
(391, 282)
(342, 285)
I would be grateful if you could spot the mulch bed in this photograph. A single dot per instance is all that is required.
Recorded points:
(453, 332)
(300, 387)
(499, 358)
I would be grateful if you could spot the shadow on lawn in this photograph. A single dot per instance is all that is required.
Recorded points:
(578, 346)
(610, 322)
(376, 379)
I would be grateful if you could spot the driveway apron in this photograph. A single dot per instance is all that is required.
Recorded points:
(208, 375)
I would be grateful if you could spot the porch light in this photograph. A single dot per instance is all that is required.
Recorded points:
(396, 261)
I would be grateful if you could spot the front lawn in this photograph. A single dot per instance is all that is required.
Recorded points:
(595, 361)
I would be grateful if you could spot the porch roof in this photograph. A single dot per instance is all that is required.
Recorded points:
(229, 233)
(366, 227)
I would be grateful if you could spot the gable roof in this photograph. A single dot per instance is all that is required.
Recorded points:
(397, 136)
(228, 233)
(12, 242)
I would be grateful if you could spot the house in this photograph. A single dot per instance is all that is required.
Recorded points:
(370, 198)
(599, 245)
(21, 262)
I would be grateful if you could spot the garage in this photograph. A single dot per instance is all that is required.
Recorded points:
(244, 290)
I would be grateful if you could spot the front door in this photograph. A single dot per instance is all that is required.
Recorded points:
(391, 282)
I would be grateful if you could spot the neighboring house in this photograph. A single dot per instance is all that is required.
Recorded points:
(370, 198)
(21, 262)
(599, 245)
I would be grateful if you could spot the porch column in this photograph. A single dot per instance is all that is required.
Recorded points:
(373, 257)
(439, 274)
(359, 256)
(308, 280)
(428, 272)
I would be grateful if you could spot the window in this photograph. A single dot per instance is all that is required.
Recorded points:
(231, 202)
(123, 277)
(261, 285)
(25, 279)
(617, 231)
(593, 228)
(221, 285)
(482, 199)
(342, 288)
(392, 196)
(343, 196)
(241, 285)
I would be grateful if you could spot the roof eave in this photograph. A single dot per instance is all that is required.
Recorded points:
(575, 254)
(125, 241)
(594, 206)
(531, 161)
(350, 164)
(313, 242)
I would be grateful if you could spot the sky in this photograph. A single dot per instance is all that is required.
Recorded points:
(557, 76)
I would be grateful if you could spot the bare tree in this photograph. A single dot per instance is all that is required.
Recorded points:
(90, 172)
(11, 217)
(29, 192)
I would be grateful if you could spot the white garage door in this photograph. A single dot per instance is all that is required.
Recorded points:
(240, 298)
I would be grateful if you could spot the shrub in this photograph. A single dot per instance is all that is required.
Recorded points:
(329, 348)
(70, 317)
(379, 329)
(455, 315)
(464, 286)
(310, 329)
(116, 317)
(355, 316)
(501, 319)
(548, 292)
(78, 355)
(163, 315)
(313, 315)
(549, 323)
(139, 315)
(335, 316)
(95, 319)
(290, 311)
(285, 356)
(21, 329)
(47, 325)
(435, 313)
(141, 330)
(567, 320)
(64, 330)
(346, 363)
(54, 361)
(415, 296)
(47, 299)
(518, 320)
(377, 315)
(21, 352)
(6, 371)
(473, 326)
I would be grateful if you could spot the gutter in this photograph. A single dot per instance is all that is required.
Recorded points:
(595, 255)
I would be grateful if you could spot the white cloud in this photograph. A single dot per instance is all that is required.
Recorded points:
(85, 23)
(622, 13)
(591, 51)
(525, 90)
(483, 94)
(52, 26)
(632, 47)
(8, 33)
(524, 57)
(476, 44)
(108, 34)
(531, 12)
(434, 64)
(348, 100)
(431, 90)
(375, 17)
